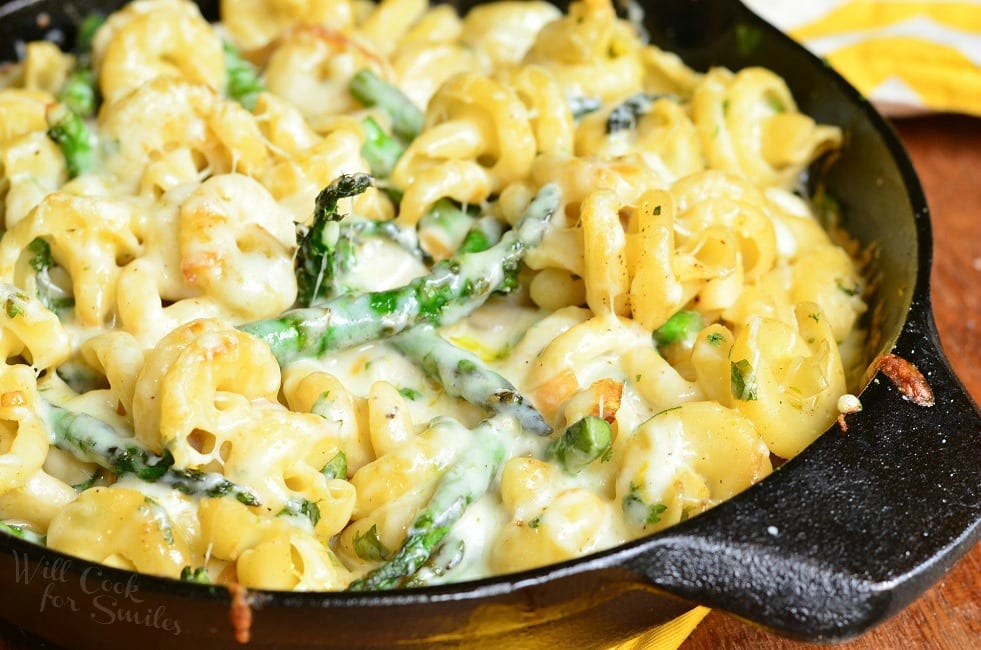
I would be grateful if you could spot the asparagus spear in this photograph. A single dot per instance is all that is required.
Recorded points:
(484, 233)
(443, 559)
(447, 228)
(682, 326)
(464, 482)
(199, 575)
(380, 150)
(583, 442)
(23, 533)
(463, 374)
(583, 106)
(244, 85)
(371, 90)
(79, 92)
(68, 130)
(451, 290)
(50, 294)
(93, 441)
(443, 227)
(327, 248)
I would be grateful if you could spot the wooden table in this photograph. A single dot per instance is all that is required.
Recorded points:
(947, 153)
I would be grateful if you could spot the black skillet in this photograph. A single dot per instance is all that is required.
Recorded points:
(833, 543)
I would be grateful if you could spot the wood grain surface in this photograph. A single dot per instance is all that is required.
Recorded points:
(947, 153)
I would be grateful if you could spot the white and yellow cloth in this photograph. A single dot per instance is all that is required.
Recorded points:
(906, 56)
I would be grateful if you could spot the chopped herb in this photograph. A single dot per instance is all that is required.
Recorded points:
(848, 291)
(657, 211)
(336, 467)
(583, 106)
(298, 507)
(625, 116)
(637, 509)
(775, 104)
(748, 39)
(370, 547)
(13, 307)
(667, 410)
(814, 316)
(536, 522)
(715, 338)
(409, 393)
(90, 481)
(743, 381)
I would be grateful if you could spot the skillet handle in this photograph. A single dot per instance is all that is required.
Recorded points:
(850, 531)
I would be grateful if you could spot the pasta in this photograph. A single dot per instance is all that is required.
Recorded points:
(343, 295)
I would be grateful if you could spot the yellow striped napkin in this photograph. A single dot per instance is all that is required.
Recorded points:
(668, 636)
(906, 56)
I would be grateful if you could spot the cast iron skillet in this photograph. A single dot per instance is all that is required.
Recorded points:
(833, 543)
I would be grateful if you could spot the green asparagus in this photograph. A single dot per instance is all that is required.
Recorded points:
(79, 92)
(625, 116)
(682, 326)
(451, 290)
(244, 85)
(70, 133)
(371, 90)
(93, 441)
(463, 374)
(443, 227)
(447, 555)
(583, 106)
(448, 228)
(583, 442)
(336, 467)
(380, 150)
(466, 480)
(484, 233)
(48, 292)
(23, 533)
(327, 248)
(198, 575)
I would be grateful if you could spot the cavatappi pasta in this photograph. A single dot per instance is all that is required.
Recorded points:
(578, 301)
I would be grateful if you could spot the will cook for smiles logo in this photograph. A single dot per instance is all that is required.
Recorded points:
(107, 601)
